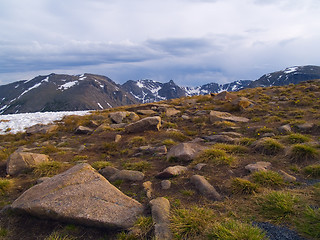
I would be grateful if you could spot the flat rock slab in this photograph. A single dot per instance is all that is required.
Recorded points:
(80, 195)
(205, 188)
(185, 151)
(22, 161)
(225, 116)
(145, 124)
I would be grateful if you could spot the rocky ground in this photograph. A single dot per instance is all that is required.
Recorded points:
(244, 165)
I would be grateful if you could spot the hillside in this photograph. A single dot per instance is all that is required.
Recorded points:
(243, 165)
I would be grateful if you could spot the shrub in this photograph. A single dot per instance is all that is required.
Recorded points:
(297, 138)
(268, 146)
(110, 148)
(277, 205)
(312, 170)
(215, 156)
(310, 222)
(268, 178)
(190, 223)
(243, 186)
(100, 164)
(5, 185)
(301, 152)
(235, 230)
(48, 169)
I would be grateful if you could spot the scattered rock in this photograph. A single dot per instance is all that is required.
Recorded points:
(285, 129)
(220, 139)
(287, 177)
(108, 171)
(162, 150)
(80, 195)
(160, 209)
(117, 117)
(40, 128)
(225, 116)
(185, 151)
(165, 184)
(22, 161)
(148, 123)
(170, 172)
(223, 96)
(127, 175)
(117, 138)
(258, 166)
(205, 188)
(146, 112)
(83, 130)
(171, 112)
(199, 166)
(148, 189)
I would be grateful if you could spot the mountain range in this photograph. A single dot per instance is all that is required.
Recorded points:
(60, 92)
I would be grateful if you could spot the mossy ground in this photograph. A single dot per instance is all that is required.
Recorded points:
(246, 198)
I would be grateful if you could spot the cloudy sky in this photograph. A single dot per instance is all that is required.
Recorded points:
(190, 41)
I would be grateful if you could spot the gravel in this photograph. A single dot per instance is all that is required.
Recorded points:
(274, 232)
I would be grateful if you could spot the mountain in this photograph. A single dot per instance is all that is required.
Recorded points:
(59, 92)
(289, 75)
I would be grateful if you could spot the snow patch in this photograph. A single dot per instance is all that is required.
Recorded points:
(33, 87)
(68, 85)
(109, 105)
(100, 105)
(82, 77)
(290, 70)
(18, 122)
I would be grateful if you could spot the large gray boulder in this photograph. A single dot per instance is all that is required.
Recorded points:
(80, 195)
(145, 124)
(22, 161)
(185, 151)
(225, 116)
(160, 209)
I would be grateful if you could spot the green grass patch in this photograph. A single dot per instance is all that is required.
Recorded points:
(168, 142)
(267, 178)
(297, 138)
(309, 223)
(78, 158)
(301, 152)
(243, 186)
(3, 232)
(188, 193)
(312, 171)
(277, 205)
(49, 149)
(137, 141)
(268, 146)
(232, 148)
(141, 166)
(215, 157)
(100, 164)
(235, 230)
(5, 185)
(246, 141)
(58, 236)
(177, 136)
(48, 169)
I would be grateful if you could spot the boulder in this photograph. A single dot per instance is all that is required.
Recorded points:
(148, 123)
(258, 166)
(118, 125)
(205, 188)
(40, 128)
(185, 151)
(80, 195)
(170, 172)
(117, 117)
(22, 161)
(225, 116)
(165, 184)
(83, 130)
(127, 175)
(108, 171)
(199, 166)
(224, 96)
(160, 209)
(285, 129)
(132, 117)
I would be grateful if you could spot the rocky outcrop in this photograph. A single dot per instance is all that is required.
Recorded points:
(80, 195)
(22, 161)
(145, 124)
(160, 209)
(225, 116)
(204, 187)
(185, 151)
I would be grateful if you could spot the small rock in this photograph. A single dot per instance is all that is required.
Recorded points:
(145, 124)
(199, 166)
(148, 189)
(83, 130)
(205, 188)
(108, 171)
(81, 148)
(103, 127)
(117, 138)
(127, 175)
(170, 172)
(185, 117)
(285, 129)
(241, 103)
(185, 151)
(165, 184)
(225, 116)
(160, 209)
(287, 177)
(132, 117)
(201, 113)
(258, 166)
(162, 150)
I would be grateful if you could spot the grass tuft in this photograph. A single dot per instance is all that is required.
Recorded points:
(5, 185)
(301, 152)
(312, 170)
(243, 186)
(297, 138)
(100, 164)
(310, 222)
(141, 166)
(268, 178)
(232, 148)
(48, 169)
(268, 146)
(215, 156)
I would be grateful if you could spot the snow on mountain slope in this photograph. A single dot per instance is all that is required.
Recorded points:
(14, 123)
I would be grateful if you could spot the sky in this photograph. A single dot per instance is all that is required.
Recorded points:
(192, 42)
